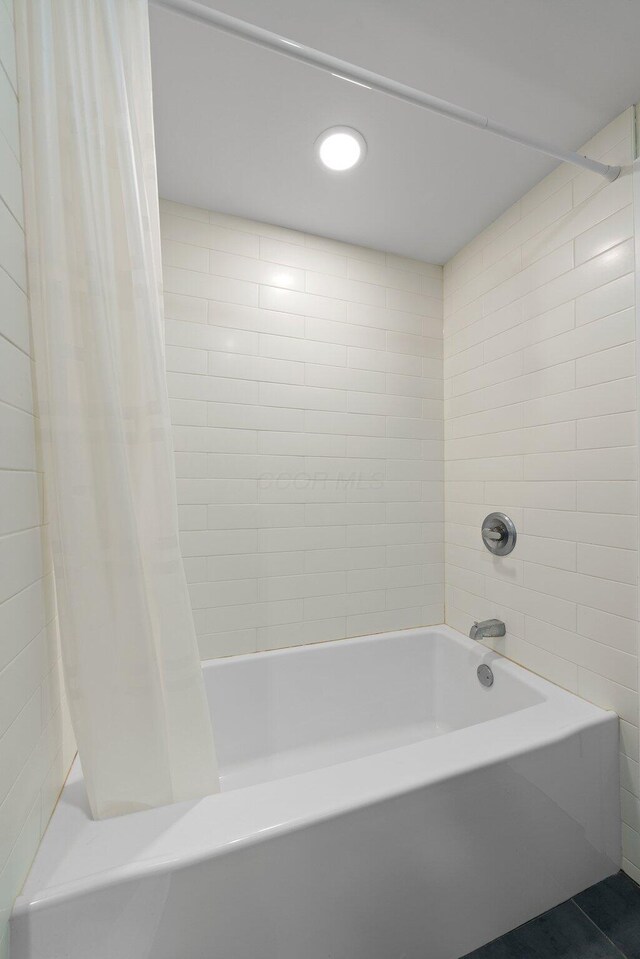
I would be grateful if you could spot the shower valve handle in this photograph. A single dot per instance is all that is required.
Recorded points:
(493, 534)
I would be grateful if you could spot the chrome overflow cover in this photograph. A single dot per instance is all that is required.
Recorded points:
(485, 675)
(498, 533)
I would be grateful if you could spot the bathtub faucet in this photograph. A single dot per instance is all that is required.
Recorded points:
(488, 627)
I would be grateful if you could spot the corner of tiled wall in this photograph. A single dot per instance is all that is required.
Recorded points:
(306, 384)
(36, 744)
(540, 422)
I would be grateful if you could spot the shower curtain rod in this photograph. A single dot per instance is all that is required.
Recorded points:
(374, 81)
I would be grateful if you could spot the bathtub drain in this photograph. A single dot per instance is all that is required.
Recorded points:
(485, 675)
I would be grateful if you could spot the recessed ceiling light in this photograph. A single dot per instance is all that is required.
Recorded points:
(340, 149)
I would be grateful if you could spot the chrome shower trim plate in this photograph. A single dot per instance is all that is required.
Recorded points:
(499, 534)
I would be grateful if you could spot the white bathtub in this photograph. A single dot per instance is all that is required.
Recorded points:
(378, 802)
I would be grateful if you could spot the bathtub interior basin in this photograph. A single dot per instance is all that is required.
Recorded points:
(369, 787)
(321, 705)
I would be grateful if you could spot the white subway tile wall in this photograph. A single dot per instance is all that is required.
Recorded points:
(305, 378)
(540, 421)
(36, 744)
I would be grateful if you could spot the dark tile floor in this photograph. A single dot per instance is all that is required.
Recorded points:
(603, 922)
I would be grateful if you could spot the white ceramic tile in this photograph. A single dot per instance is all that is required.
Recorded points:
(607, 628)
(11, 179)
(340, 378)
(15, 376)
(542, 384)
(629, 739)
(584, 278)
(240, 317)
(544, 495)
(510, 417)
(306, 351)
(383, 318)
(541, 661)
(211, 542)
(233, 643)
(414, 345)
(20, 505)
(617, 396)
(386, 276)
(185, 256)
(608, 694)
(601, 529)
(255, 271)
(188, 386)
(540, 328)
(205, 286)
(602, 367)
(199, 336)
(605, 234)
(610, 496)
(380, 622)
(191, 309)
(608, 563)
(295, 634)
(22, 617)
(185, 360)
(578, 223)
(598, 335)
(345, 289)
(12, 252)
(346, 334)
(14, 322)
(294, 255)
(255, 368)
(304, 304)
(419, 303)
(344, 249)
(604, 300)
(547, 551)
(206, 236)
(21, 561)
(248, 615)
(9, 124)
(617, 429)
(231, 416)
(584, 464)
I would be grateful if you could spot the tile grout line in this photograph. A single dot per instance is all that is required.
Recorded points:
(602, 933)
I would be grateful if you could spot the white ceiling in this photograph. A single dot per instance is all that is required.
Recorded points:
(235, 124)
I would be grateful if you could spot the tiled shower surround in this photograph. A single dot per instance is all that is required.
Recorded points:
(540, 421)
(306, 384)
(306, 392)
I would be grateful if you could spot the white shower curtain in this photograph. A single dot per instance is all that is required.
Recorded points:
(130, 658)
